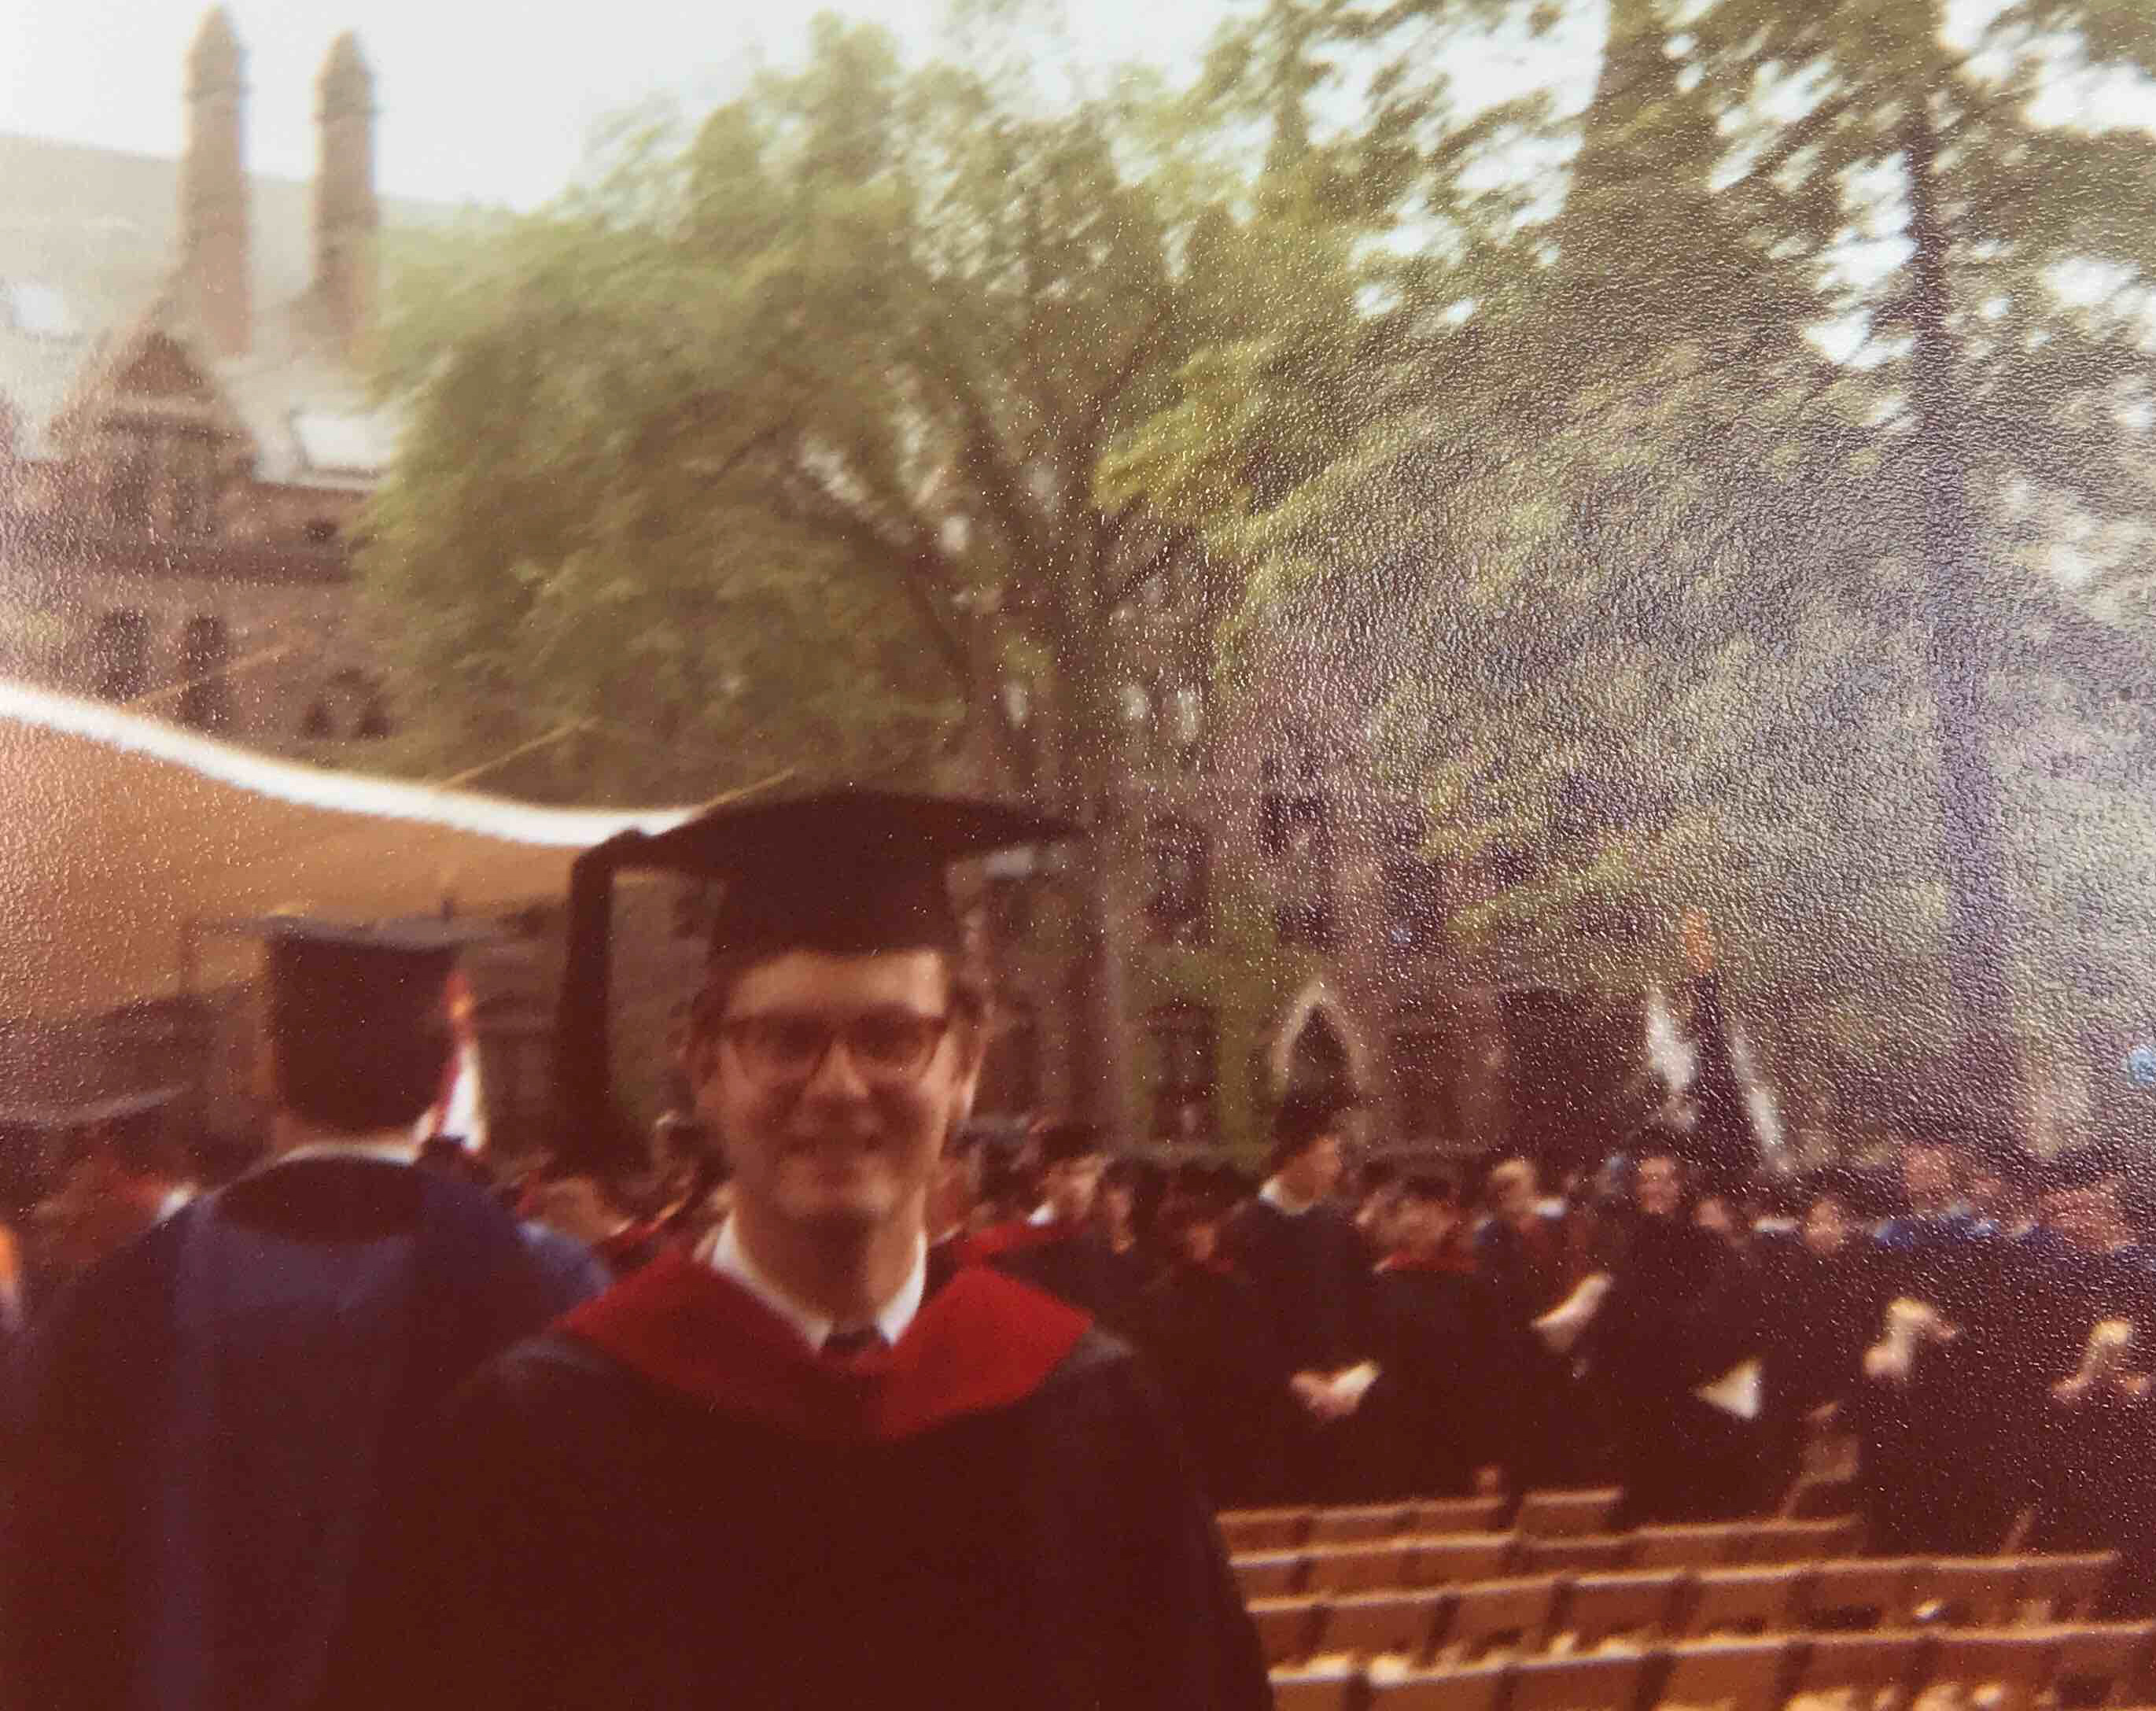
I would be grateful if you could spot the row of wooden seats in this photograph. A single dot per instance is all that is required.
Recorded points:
(2082, 1664)
(1541, 1514)
(1446, 1559)
(1534, 1613)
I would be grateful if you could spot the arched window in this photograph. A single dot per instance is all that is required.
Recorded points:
(1179, 858)
(120, 654)
(1185, 1042)
(206, 701)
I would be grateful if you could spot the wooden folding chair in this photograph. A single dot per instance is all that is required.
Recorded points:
(2064, 1586)
(1267, 1574)
(2019, 1662)
(1795, 1541)
(1287, 1627)
(1490, 1615)
(1563, 1514)
(1363, 1523)
(1741, 1601)
(1967, 1591)
(1472, 1686)
(1874, 1593)
(1602, 1681)
(2102, 1663)
(1375, 1624)
(1580, 1554)
(1446, 1559)
(1314, 1687)
(1866, 1663)
(1263, 1529)
(1697, 1545)
(1456, 1515)
(1736, 1675)
(1597, 1606)
(1357, 1567)
(1820, 1497)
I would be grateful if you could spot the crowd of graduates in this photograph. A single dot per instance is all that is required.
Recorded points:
(1974, 1318)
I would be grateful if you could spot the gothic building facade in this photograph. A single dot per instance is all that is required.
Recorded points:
(185, 436)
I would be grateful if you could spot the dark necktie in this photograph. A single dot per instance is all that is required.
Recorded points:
(847, 1345)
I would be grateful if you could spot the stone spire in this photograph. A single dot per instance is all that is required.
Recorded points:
(214, 263)
(347, 216)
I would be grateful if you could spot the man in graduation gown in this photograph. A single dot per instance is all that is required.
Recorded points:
(226, 1415)
(1311, 1271)
(1428, 1419)
(815, 1470)
(1060, 1246)
(1652, 1346)
(1212, 1344)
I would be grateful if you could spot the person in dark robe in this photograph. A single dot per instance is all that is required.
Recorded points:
(1653, 1344)
(1132, 1191)
(1428, 1421)
(1311, 1271)
(1943, 1403)
(2092, 1344)
(1060, 1246)
(226, 1415)
(810, 1469)
(1808, 1307)
(1212, 1343)
(1529, 1265)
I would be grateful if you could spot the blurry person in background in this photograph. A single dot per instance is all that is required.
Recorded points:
(129, 1171)
(1429, 1424)
(225, 1415)
(1213, 1348)
(1311, 1272)
(1654, 1343)
(1526, 1264)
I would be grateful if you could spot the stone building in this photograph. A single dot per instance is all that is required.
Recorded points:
(185, 439)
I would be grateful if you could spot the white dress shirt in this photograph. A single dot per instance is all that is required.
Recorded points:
(729, 1259)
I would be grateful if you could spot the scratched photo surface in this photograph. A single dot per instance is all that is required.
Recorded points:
(1586, 568)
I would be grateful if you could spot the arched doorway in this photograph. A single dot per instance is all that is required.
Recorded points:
(1317, 1064)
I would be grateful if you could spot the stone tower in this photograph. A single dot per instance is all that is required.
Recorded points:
(348, 216)
(213, 241)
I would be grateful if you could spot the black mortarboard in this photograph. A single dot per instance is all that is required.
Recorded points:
(1065, 1139)
(357, 1001)
(357, 972)
(846, 871)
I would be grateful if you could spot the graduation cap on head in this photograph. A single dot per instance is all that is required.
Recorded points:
(359, 1002)
(845, 871)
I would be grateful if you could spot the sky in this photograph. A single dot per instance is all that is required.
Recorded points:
(476, 102)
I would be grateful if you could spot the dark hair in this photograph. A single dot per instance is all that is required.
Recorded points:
(352, 1069)
(1061, 1139)
(1302, 1120)
(1431, 1187)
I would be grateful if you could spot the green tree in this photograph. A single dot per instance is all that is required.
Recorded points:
(807, 407)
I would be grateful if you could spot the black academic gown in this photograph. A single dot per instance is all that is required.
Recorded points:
(1311, 1274)
(1651, 1344)
(1213, 1348)
(1428, 1422)
(669, 1502)
(1808, 1320)
(219, 1456)
(1078, 1265)
(1546, 1431)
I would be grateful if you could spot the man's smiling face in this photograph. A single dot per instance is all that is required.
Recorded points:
(847, 1141)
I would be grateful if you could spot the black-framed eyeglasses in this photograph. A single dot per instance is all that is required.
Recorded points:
(885, 1046)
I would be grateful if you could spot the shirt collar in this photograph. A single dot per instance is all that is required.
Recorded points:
(729, 1259)
(1275, 1194)
(382, 1152)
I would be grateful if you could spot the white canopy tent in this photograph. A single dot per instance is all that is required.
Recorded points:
(121, 836)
